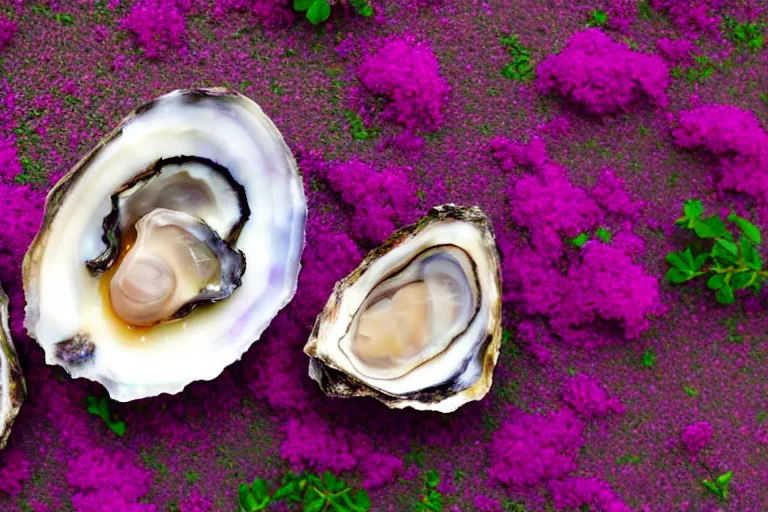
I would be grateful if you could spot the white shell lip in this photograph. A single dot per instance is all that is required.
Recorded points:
(465, 372)
(131, 373)
(13, 389)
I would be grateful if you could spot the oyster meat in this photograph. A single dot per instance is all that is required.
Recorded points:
(169, 248)
(13, 390)
(418, 323)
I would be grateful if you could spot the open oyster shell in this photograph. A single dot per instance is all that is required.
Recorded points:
(169, 248)
(418, 323)
(13, 390)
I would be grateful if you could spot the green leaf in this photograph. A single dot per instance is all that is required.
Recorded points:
(749, 254)
(716, 282)
(580, 240)
(711, 227)
(700, 260)
(118, 427)
(750, 230)
(725, 295)
(693, 209)
(604, 234)
(676, 260)
(318, 12)
(243, 491)
(678, 276)
(649, 357)
(741, 280)
(314, 506)
(432, 479)
(724, 479)
(690, 391)
(362, 500)
(286, 490)
(725, 252)
(259, 488)
(302, 5)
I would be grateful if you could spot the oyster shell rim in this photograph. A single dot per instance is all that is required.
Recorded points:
(17, 391)
(59, 191)
(336, 383)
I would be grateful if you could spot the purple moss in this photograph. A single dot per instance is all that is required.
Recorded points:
(677, 51)
(695, 17)
(546, 276)
(9, 159)
(380, 469)
(382, 200)
(485, 504)
(7, 29)
(312, 443)
(268, 13)
(603, 76)
(577, 493)
(621, 14)
(532, 449)
(14, 471)
(406, 72)
(588, 397)
(736, 138)
(696, 437)
(159, 27)
(107, 481)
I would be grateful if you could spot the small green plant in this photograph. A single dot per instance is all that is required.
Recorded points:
(764, 97)
(719, 485)
(649, 358)
(744, 34)
(690, 391)
(310, 492)
(431, 499)
(702, 70)
(520, 68)
(318, 11)
(356, 126)
(597, 18)
(602, 233)
(100, 408)
(730, 264)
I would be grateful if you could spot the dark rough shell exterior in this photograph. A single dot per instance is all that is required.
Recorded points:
(15, 388)
(335, 382)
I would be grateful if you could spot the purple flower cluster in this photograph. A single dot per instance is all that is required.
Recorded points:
(621, 14)
(531, 449)
(9, 159)
(485, 504)
(736, 138)
(14, 472)
(696, 17)
(696, 437)
(574, 291)
(7, 29)
(678, 51)
(588, 397)
(596, 495)
(159, 26)
(603, 76)
(107, 482)
(268, 13)
(382, 200)
(407, 73)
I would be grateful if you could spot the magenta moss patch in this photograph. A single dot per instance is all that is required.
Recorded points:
(603, 76)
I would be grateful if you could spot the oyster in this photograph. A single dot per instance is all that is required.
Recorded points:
(418, 323)
(169, 248)
(12, 387)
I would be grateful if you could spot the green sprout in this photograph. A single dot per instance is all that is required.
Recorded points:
(431, 499)
(744, 34)
(764, 98)
(101, 408)
(719, 486)
(690, 391)
(356, 126)
(649, 358)
(597, 18)
(703, 69)
(313, 493)
(729, 264)
(604, 235)
(579, 240)
(520, 68)
(318, 11)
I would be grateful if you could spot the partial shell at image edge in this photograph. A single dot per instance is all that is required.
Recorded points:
(12, 388)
